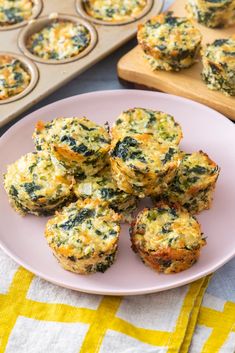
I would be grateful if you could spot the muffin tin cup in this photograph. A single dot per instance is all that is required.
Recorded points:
(32, 70)
(37, 25)
(84, 14)
(37, 9)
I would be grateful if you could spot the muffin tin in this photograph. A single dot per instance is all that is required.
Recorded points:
(48, 75)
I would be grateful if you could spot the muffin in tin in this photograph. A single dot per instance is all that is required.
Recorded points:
(35, 186)
(103, 188)
(77, 145)
(84, 236)
(14, 77)
(194, 183)
(141, 166)
(217, 13)
(161, 126)
(169, 42)
(114, 11)
(218, 59)
(59, 40)
(13, 12)
(167, 238)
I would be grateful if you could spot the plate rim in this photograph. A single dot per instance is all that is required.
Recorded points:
(110, 292)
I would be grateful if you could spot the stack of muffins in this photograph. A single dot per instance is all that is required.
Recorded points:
(90, 180)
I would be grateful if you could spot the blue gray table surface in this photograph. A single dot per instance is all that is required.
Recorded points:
(103, 76)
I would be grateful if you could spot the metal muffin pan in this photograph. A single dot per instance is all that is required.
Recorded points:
(104, 39)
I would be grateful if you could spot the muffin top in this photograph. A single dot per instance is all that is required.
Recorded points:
(12, 12)
(161, 126)
(166, 226)
(83, 229)
(75, 138)
(168, 33)
(59, 40)
(14, 77)
(114, 10)
(34, 178)
(221, 53)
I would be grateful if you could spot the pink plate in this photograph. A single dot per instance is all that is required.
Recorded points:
(204, 129)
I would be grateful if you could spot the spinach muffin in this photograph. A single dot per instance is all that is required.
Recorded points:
(141, 166)
(102, 187)
(212, 13)
(218, 59)
(59, 40)
(14, 77)
(167, 238)
(84, 236)
(78, 145)
(16, 11)
(114, 11)
(169, 42)
(161, 126)
(35, 186)
(194, 183)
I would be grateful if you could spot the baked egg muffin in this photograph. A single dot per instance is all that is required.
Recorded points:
(114, 11)
(212, 13)
(84, 236)
(14, 77)
(169, 42)
(77, 145)
(59, 40)
(161, 126)
(34, 185)
(103, 188)
(16, 11)
(141, 166)
(194, 183)
(218, 59)
(167, 238)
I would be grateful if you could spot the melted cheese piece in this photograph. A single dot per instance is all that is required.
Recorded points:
(102, 187)
(218, 60)
(86, 233)
(35, 186)
(14, 78)
(12, 12)
(160, 125)
(114, 10)
(59, 40)
(164, 226)
(77, 144)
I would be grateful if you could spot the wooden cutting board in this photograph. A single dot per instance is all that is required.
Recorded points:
(133, 68)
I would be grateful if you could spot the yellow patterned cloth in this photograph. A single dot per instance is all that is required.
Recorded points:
(39, 317)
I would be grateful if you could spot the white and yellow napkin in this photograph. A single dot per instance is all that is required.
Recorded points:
(39, 317)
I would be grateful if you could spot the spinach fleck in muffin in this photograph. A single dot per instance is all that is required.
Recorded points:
(84, 236)
(167, 238)
(59, 40)
(169, 42)
(77, 145)
(218, 59)
(212, 13)
(34, 185)
(14, 77)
